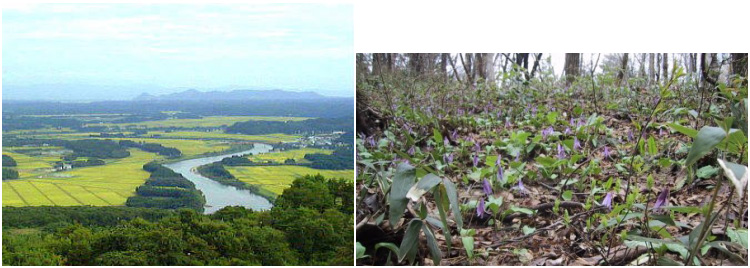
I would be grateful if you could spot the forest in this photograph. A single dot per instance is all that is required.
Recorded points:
(551, 159)
(311, 224)
(310, 126)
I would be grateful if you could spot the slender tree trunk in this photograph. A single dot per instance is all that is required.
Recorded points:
(572, 66)
(622, 74)
(651, 71)
(444, 65)
(665, 66)
(536, 64)
(739, 68)
(642, 67)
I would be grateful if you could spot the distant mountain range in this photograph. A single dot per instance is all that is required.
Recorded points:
(193, 94)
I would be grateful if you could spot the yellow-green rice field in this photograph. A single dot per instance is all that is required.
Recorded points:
(106, 185)
(296, 154)
(208, 121)
(278, 178)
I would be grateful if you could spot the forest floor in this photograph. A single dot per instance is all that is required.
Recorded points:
(548, 174)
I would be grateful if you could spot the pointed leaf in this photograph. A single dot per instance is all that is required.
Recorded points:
(402, 182)
(424, 185)
(450, 190)
(705, 141)
(432, 244)
(411, 237)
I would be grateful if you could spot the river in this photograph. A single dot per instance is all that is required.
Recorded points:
(219, 195)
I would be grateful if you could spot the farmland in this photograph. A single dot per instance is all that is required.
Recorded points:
(205, 122)
(278, 178)
(279, 156)
(106, 185)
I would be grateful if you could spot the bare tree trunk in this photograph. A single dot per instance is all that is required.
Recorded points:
(536, 64)
(642, 70)
(651, 71)
(489, 66)
(739, 67)
(622, 74)
(572, 66)
(665, 66)
(444, 65)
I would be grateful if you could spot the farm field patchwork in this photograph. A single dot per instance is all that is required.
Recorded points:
(32, 166)
(272, 138)
(106, 185)
(278, 178)
(208, 121)
(296, 154)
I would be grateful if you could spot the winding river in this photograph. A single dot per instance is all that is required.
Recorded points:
(219, 195)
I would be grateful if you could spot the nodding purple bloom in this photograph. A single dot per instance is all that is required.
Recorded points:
(560, 151)
(499, 114)
(446, 142)
(580, 122)
(480, 209)
(661, 132)
(497, 162)
(567, 131)
(460, 111)
(607, 202)
(487, 187)
(371, 141)
(661, 200)
(428, 148)
(572, 122)
(607, 154)
(477, 148)
(411, 150)
(408, 128)
(475, 160)
(533, 111)
(576, 144)
(448, 158)
(520, 188)
(454, 135)
(500, 173)
(507, 123)
(630, 135)
(517, 154)
(546, 132)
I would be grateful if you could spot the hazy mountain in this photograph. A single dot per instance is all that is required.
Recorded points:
(193, 94)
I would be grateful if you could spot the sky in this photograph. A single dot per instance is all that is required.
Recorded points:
(118, 51)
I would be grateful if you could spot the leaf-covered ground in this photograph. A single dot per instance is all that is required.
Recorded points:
(549, 174)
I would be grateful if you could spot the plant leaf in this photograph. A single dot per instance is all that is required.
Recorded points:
(705, 141)
(684, 130)
(402, 181)
(424, 185)
(432, 244)
(361, 251)
(737, 174)
(450, 189)
(411, 237)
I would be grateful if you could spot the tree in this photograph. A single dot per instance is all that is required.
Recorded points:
(623, 70)
(572, 66)
(665, 66)
(739, 67)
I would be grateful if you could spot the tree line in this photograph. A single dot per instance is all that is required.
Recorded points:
(310, 224)
(310, 126)
(166, 189)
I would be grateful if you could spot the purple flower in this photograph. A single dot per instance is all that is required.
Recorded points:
(520, 188)
(448, 158)
(606, 152)
(371, 141)
(454, 135)
(517, 154)
(408, 128)
(572, 122)
(576, 144)
(567, 131)
(546, 132)
(661, 132)
(661, 200)
(411, 150)
(507, 123)
(533, 111)
(446, 142)
(477, 148)
(630, 135)
(500, 173)
(460, 111)
(607, 202)
(475, 160)
(497, 162)
(480, 209)
(499, 114)
(487, 187)
(560, 151)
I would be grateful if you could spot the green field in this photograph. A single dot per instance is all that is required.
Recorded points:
(296, 154)
(208, 121)
(106, 185)
(272, 138)
(278, 178)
